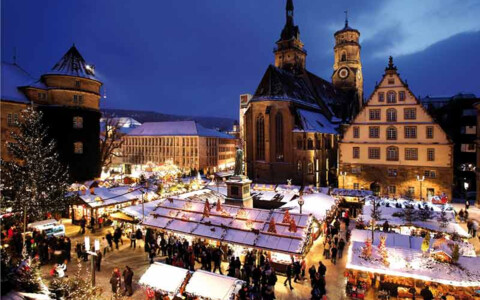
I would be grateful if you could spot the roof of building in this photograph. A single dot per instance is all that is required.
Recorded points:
(176, 128)
(13, 77)
(73, 64)
(346, 28)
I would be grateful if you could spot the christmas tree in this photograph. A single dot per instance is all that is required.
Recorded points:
(206, 209)
(77, 286)
(443, 219)
(286, 217)
(408, 215)
(455, 253)
(367, 249)
(382, 248)
(271, 226)
(34, 182)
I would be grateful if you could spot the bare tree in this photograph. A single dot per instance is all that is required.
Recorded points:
(110, 140)
(376, 214)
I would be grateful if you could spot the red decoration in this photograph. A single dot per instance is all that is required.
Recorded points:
(286, 217)
(219, 205)
(271, 226)
(293, 226)
(206, 209)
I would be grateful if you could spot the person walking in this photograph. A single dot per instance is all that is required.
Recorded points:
(312, 271)
(322, 269)
(92, 224)
(115, 281)
(326, 250)
(128, 279)
(109, 238)
(151, 254)
(217, 261)
(467, 204)
(139, 236)
(341, 246)
(289, 276)
(133, 240)
(296, 271)
(334, 254)
(83, 222)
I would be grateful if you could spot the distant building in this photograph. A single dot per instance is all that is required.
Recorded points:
(188, 144)
(69, 96)
(458, 117)
(290, 124)
(394, 143)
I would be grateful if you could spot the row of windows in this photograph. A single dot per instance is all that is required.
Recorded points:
(392, 172)
(162, 141)
(393, 153)
(409, 113)
(410, 132)
(161, 150)
(260, 137)
(12, 119)
(309, 167)
(391, 96)
(77, 99)
(309, 144)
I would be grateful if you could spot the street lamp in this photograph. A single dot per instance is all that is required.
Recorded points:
(420, 179)
(301, 202)
(466, 185)
(343, 174)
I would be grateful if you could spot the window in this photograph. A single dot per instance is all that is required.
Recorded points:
(392, 172)
(310, 167)
(279, 136)
(9, 120)
(299, 143)
(356, 170)
(381, 97)
(391, 133)
(429, 132)
(392, 189)
(410, 132)
(391, 81)
(467, 148)
(429, 174)
(374, 114)
(299, 167)
(42, 96)
(77, 99)
(409, 113)
(391, 115)
(356, 152)
(77, 122)
(310, 144)
(356, 186)
(431, 154)
(344, 56)
(78, 147)
(411, 191)
(356, 132)
(260, 138)
(391, 97)
(77, 83)
(374, 153)
(401, 96)
(469, 112)
(469, 129)
(317, 143)
(411, 154)
(374, 132)
(392, 153)
(15, 119)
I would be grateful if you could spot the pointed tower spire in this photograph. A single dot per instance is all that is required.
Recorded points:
(346, 18)
(72, 63)
(391, 66)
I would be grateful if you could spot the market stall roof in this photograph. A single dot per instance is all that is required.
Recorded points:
(135, 211)
(211, 194)
(111, 196)
(213, 286)
(243, 226)
(351, 193)
(392, 211)
(316, 204)
(165, 278)
(121, 216)
(412, 263)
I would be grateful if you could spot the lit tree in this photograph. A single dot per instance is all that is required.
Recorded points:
(34, 182)
(77, 286)
(382, 248)
(426, 243)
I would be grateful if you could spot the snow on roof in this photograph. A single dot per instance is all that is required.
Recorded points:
(387, 213)
(233, 224)
(316, 204)
(414, 264)
(315, 122)
(176, 128)
(110, 196)
(136, 210)
(73, 64)
(350, 192)
(165, 278)
(213, 286)
(13, 77)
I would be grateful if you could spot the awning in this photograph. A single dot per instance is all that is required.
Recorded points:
(122, 216)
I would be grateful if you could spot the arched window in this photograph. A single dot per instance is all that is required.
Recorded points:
(77, 122)
(392, 153)
(344, 56)
(310, 167)
(391, 115)
(299, 167)
(260, 138)
(299, 143)
(310, 144)
(78, 147)
(279, 136)
(391, 133)
(391, 97)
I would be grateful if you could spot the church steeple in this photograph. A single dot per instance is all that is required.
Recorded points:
(289, 53)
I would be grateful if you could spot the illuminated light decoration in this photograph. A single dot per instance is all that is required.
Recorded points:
(219, 205)
(286, 217)
(249, 224)
(242, 214)
(271, 226)
(293, 226)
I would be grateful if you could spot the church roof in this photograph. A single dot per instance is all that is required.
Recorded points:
(346, 28)
(176, 128)
(13, 77)
(73, 64)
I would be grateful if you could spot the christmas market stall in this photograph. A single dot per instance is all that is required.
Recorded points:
(164, 280)
(282, 236)
(397, 269)
(102, 201)
(212, 286)
(269, 196)
(351, 199)
(411, 217)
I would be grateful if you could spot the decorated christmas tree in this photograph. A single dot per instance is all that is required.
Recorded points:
(443, 219)
(219, 205)
(293, 226)
(286, 217)
(382, 248)
(367, 249)
(34, 182)
(271, 226)
(78, 286)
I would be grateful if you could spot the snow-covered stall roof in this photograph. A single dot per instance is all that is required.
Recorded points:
(13, 77)
(316, 204)
(242, 226)
(164, 278)
(414, 264)
(110, 196)
(204, 194)
(213, 286)
(135, 211)
(392, 211)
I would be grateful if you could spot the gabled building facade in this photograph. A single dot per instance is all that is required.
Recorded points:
(290, 125)
(394, 146)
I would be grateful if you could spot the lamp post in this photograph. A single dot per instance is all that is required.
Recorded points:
(420, 179)
(301, 202)
(142, 184)
(466, 185)
(93, 254)
(343, 174)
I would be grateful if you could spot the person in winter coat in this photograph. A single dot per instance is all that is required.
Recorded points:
(139, 235)
(128, 279)
(426, 293)
(296, 271)
(289, 276)
(341, 246)
(311, 272)
(133, 240)
(115, 281)
(322, 269)
(151, 254)
(334, 254)
(109, 238)
(83, 223)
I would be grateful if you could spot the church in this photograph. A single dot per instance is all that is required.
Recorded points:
(291, 124)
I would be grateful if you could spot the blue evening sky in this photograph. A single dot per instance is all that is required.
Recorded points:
(195, 57)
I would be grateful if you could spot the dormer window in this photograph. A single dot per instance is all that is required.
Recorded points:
(77, 99)
(391, 97)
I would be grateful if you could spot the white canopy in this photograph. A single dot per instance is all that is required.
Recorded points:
(316, 204)
(213, 286)
(164, 278)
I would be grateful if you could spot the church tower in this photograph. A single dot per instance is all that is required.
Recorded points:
(289, 53)
(347, 68)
